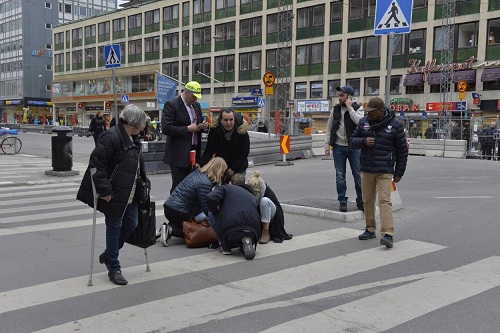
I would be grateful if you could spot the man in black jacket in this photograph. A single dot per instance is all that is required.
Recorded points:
(384, 153)
(341, 124)
(182, 123)
(235, 218)
(229, 140)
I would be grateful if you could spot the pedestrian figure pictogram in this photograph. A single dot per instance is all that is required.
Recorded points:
(394, 15)
(112, 56)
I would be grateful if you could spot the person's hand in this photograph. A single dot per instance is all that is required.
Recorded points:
(348, 102)
(370, 141)
(193, 127)
(107, 198)
(202, 126)
(327, 150)
(397, 179)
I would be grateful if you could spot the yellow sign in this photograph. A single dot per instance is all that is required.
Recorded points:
(269, 79)
(270, 90)
(284, 144)
(461, 95)
(462, 86)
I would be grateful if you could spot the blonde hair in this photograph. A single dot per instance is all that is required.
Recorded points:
(255, 182)
(215, 169)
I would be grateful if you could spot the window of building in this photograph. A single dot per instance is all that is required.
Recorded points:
(185, 68)
(77, 35)
(225, 4)
(202, 36)
(372, 86)
(273, 56)
(301, 90)
(272, 23)
(171, 41)
(396, 86)
(354, 48)
(135, 47)
(170, 14)
(202, 66)
(335, 48)
(467, 35)
(414, 89)
(48, 46)
(332, 88)
(135, 21)
(48, 25)
(416, 41)
(171, 69)
(419, 3)
(103, 28)
(366, 47)
(67, 9)
(309, 54)
(493, 31)
(48, 67)
(247, 89)
(355, 9)
(310, 16)
(336, 11)
(185, 38)
(152, 44)
(225, 31)
(90, 31)
(251, 27)
(250, 60)
(185, 9)
(119, 25)
(48, 5)
(355, 84)
(152, 17)
(491, 85)
(372, 47)
(224, 64)
(201, 6)
(316, 89)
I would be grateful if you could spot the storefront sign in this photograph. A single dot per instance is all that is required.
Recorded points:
(431, 66)
(245, 101)
(450, 106)
(313, 106)
(403, 104)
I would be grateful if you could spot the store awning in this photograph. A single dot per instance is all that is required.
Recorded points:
(413, 80)
(468, 76)
(490, 74)
(435, 78)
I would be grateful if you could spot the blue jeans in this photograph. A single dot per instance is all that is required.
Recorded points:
(267, 210)
(340, 156)
(117, 231)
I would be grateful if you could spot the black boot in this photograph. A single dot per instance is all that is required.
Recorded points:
(103, 259)
(117, 278)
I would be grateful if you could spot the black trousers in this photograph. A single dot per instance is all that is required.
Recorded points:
(175, 220)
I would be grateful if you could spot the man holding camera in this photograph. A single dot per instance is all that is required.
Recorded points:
(342, 122)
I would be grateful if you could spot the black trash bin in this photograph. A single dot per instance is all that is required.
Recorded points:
(62, 149)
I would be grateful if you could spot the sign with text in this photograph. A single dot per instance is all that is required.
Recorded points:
(311, 106)
(165, 90)
(452, 106)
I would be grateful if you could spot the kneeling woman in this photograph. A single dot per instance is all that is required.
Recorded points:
(271, 213)
(189, 198)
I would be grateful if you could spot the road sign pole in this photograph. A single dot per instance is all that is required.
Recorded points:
(114, 93)
(389, 69)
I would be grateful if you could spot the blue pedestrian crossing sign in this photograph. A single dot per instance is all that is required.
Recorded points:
(124, 99)
(393, 16)
(112, 56)
(261, 102)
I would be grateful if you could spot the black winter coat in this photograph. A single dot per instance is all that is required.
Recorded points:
(118, 161)
(190, 196)
(97, 124)
(235, 209)
(235, 151)
(390, 152)
(277, 225)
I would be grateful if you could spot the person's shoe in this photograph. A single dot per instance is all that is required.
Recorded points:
(225, 252)
(367, 235)
(343, 207)
(248, 248)
(265, 237)
(103, 259)
(360, 206)
(386, 240)
(117, 278)
(165, 234)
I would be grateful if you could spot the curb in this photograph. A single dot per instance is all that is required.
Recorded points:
(323, 213)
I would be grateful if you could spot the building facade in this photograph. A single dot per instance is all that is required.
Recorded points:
(26, 53)
(235, 42)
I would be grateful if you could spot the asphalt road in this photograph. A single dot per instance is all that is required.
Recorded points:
(443, 274)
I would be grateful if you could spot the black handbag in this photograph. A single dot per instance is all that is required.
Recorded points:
(142, 191)
(144, 235)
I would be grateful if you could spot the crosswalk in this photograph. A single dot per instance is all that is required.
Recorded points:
(320, 281)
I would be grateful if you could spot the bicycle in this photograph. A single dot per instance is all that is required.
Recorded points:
(9, 142)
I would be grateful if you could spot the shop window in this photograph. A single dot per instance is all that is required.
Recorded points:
(492, 85)
(332, 88)
(372, 86)
(415, 89)
(355, 84)
(300, 90)
(467, 35)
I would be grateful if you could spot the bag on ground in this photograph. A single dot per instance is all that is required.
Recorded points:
(198, 233)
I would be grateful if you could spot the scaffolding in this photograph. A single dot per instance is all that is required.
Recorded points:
(447, 58)
(284, 65)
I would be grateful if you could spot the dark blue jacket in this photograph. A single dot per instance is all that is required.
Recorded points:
(190, 196)
(235, 209)
(390, 152)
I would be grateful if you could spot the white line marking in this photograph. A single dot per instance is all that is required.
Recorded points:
(390, 308)
(64, 289)
(51, 198)
(470, 197)
(191, 309)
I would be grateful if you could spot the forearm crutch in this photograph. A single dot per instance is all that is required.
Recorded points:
(92, 246)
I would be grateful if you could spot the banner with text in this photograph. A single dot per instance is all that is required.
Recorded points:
(166, 89)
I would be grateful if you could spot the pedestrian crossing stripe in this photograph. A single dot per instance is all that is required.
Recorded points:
(392, 18)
